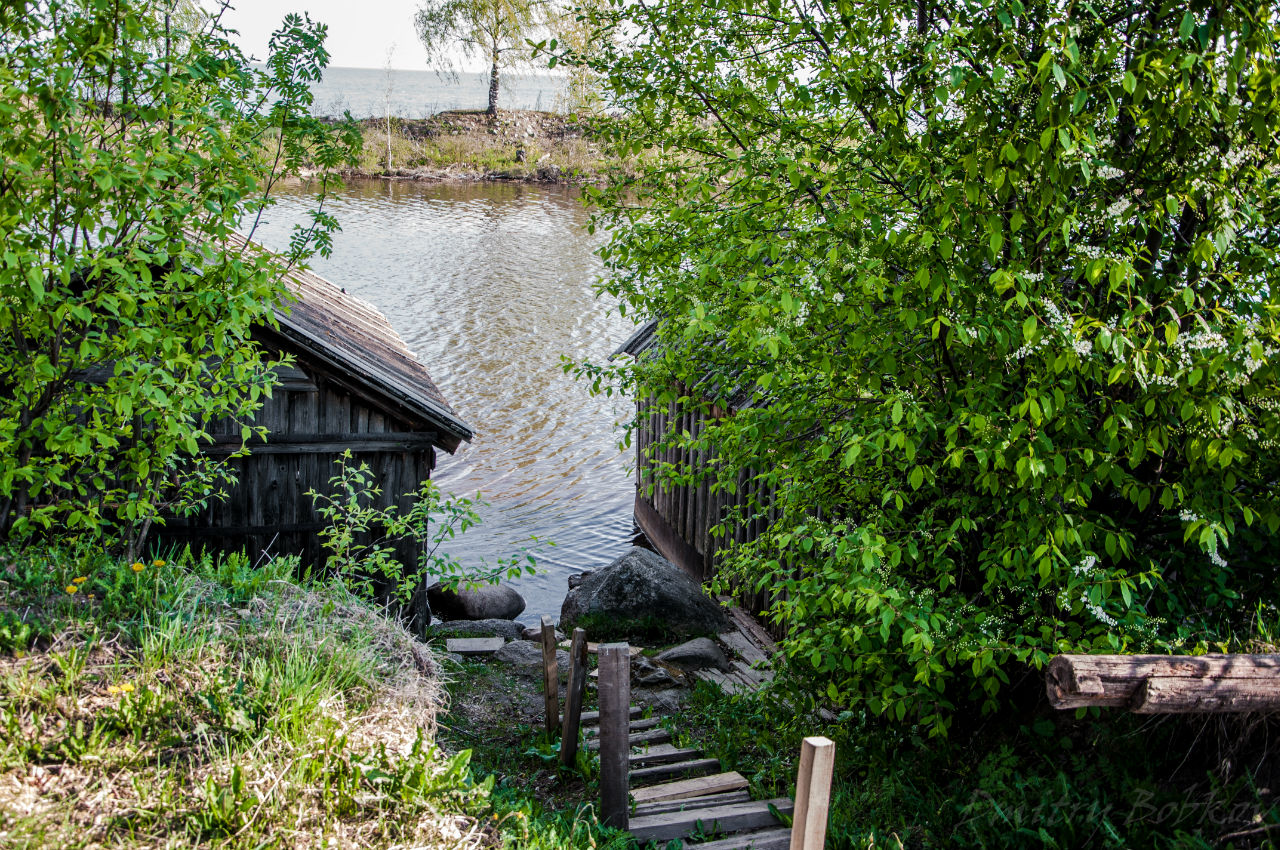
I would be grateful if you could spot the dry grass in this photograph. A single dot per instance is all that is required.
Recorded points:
(291, 718)
(517, 145)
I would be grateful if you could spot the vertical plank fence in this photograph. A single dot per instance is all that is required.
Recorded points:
(550, 677)
(573, 698)
(615, 729)
(813, 794)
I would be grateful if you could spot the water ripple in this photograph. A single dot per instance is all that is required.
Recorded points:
(489, 285)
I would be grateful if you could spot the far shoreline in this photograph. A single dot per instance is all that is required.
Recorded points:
(516, 146)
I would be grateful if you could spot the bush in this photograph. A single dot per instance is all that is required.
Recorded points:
(998, 282)
(132, 150)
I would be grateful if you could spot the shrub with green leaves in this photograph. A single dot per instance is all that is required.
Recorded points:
(130, 149)
(999, 281)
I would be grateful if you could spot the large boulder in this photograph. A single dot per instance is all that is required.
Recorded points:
(506, 629)
(487, 602)
(641, 595)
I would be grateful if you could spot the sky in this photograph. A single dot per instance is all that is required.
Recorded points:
(360, 31)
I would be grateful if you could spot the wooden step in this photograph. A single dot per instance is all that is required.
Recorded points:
(593, 717)
(702, 786)
(691, 803)
(474, 646)
(765, 839)
(733, 817)
(744, 647)
(640, 725)
(665, 772)
(594, 648)
(663, 754)
(637, 739)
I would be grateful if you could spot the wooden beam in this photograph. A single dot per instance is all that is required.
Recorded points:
(702, 786)
(663, 754)
(665, 772)
(765, 839)
(726, 818)
(550, 677)
(813, 794)
(638, 739)
(573, 698)
(665, 806)
(615, 702)
(593, 717)
(474, 646)
(1077, 681)
(1175, 695)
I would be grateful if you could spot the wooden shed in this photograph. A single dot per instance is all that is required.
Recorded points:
(355, 386)
(678, 520)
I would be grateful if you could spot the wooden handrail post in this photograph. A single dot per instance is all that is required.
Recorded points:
(615, 729)
(550, 676)
(573, 698)
(813, 794)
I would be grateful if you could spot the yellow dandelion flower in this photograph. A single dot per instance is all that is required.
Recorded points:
(158, 562)
(80, 579)
(137, 566)
(126, 688)
(71, 588)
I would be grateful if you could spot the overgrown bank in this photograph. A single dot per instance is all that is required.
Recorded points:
(545, 147)
(161, 704)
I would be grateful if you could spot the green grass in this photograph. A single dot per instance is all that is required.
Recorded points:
(190, 701)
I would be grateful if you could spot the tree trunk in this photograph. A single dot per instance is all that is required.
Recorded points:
(493, 88)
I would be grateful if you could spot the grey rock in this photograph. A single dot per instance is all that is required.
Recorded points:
(648, 674)
(534, 633)
(643, 587)
(576, 579)
(506, 629)
(526, 656)
(697, 654)
(489, 602)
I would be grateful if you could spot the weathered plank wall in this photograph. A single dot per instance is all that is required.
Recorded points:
(311, 420)
(678, 520)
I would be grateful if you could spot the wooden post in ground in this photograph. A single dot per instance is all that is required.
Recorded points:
(550, 676)
(813, 794)
(573, 698)
(615, 728)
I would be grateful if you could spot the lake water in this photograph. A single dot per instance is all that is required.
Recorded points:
(373, 92)
(490, 284)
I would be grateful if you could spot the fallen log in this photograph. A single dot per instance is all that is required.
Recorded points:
(1165, 684)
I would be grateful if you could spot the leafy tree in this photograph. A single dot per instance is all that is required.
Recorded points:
(130, 150)
(495, 30)
(1000, 280)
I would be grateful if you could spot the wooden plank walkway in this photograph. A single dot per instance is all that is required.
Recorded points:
(678, 792)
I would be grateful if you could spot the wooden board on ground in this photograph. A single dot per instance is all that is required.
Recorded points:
(750, 674)
(640, 725)
(637, 739)
(734, 817)
(744, 647)
(665, 806)
(678, 770)
(663, 754)
(474, 646)
(593, 648)
(594, 716)
(685, 788)
(765, 839)
(730, 684)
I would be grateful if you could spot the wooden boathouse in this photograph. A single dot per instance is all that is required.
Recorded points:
(678, 521)
(353, 386)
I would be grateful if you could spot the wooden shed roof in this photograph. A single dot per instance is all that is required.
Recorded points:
(351, 336)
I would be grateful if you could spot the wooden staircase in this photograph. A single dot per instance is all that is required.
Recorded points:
(679, 794)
